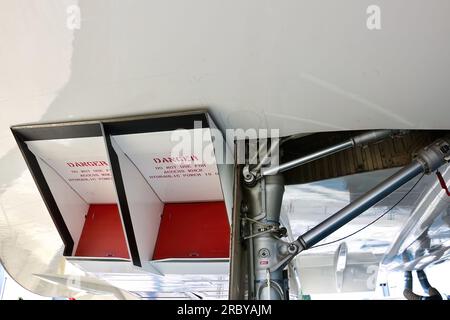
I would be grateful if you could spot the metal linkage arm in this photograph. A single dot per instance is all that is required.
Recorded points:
(269, 255)
(359, 140)
(426, 161)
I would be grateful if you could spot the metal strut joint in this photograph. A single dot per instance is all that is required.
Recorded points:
(264, 192)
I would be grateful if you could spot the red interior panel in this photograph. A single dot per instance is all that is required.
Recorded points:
(193, 230)
(102, 234)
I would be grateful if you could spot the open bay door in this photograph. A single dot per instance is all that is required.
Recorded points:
(139, 190)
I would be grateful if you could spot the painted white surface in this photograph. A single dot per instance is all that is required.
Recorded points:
(297, 65)
(192, 266)
(13, 291)
(226, 172)
(224, 152)
(181, 181)
(72, 207)
(100, 266)
(83, 163)
(145, 207)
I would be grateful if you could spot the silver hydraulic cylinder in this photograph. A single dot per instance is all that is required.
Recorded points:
(427, 160)
(269, 254)
(360, 205)
(359, 140)
(263, 214)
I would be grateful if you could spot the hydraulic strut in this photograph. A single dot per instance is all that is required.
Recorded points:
(426, 161)
(360, 140)
(354, 209)
(269, 255)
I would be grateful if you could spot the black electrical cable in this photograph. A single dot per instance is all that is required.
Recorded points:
(387, 211)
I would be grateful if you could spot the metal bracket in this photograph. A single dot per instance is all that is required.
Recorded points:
(292, 250)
